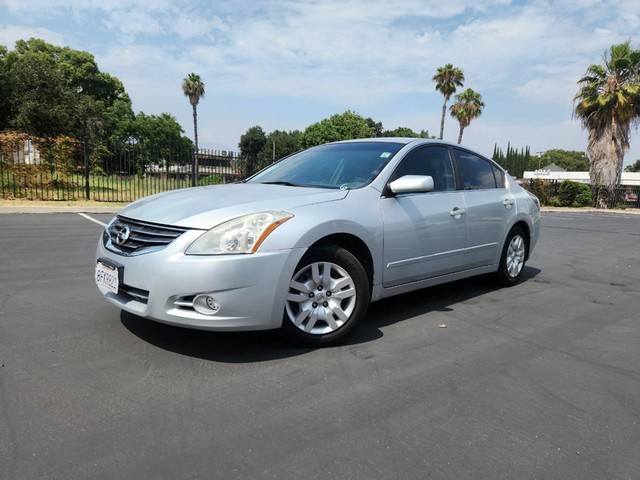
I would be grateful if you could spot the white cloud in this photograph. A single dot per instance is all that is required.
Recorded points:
(192, 26)
(133, 23)
(54, 7)
(358, 54)
(552, 83)
(549, 90)
(11, 33)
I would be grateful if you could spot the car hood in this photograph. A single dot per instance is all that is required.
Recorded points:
(206, 207)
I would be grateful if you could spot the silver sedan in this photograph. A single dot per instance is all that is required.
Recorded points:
(307, 244)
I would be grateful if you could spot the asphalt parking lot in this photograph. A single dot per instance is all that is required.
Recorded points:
(540, 381)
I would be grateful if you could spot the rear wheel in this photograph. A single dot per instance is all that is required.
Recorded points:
(513, 258)
(328, 295)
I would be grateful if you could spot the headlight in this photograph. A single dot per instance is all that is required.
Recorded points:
(240, 235)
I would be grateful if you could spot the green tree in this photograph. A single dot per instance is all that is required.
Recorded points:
(119, 122)
(4, 90)
(405, 132)
(279, 144)
(160, 140)
(468, 105)
(447, 79)
(571, 160)
(251, 145)
(376, 127)
(252, 142)
(259, 150)
(41, 103)
(160, 131)
(193, 88)
(515, 161)
(78, 68)
(635, 167)
(608, 104)
(49, 91)
(344, 126)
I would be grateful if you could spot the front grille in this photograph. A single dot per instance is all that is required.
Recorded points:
(134, 237)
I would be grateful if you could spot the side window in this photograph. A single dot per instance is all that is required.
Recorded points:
(499, 176)
(433, 161)
(475, 172)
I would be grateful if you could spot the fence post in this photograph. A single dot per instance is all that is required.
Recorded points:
(193, 168)
(86, 170)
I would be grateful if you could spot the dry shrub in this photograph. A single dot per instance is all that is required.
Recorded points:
(54, 168)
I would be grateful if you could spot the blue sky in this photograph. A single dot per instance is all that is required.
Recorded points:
(284, 64)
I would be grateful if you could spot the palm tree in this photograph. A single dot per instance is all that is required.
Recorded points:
(193, 88)
(447, 78)
(608, 104)
(468, 105)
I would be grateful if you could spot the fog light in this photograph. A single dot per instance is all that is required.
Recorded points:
(206, 305)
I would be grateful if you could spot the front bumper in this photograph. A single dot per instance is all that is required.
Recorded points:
(249, 289)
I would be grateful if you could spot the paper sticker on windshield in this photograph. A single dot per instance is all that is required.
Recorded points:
(385, 155)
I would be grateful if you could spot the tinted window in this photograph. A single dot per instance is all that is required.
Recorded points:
(432, 161)
(499, 176)
(475, 173)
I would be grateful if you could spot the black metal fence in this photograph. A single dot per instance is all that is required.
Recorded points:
(550, 193)
(77, 171)
(623, 197)
(70, 170)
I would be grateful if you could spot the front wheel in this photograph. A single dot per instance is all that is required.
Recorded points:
(328, 295)
(513, 258)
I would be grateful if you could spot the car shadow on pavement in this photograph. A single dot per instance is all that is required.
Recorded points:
(248, 347)
(228, 347)
(440, 298)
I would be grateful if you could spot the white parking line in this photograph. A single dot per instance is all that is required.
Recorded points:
(92, 219)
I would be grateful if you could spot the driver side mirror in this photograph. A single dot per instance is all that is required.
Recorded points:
(412, 184)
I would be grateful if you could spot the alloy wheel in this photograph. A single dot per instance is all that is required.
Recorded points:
(515, 256)
(321, 299)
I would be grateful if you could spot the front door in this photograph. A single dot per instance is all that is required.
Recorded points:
(424, 233)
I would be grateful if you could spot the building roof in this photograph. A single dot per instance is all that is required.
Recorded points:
(554, 168)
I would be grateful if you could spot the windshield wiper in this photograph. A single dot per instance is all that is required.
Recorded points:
(287, 184)
(302, 185)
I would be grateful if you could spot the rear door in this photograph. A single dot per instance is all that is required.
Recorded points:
(490, 207)
(424, 233)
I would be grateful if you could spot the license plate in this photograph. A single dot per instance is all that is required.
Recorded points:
(107, 277)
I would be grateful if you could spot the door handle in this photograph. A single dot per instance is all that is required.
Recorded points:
(456, 212)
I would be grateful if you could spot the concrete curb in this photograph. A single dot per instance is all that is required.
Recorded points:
(42, 209)
(628, 211)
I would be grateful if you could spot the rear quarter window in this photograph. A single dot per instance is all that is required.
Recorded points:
(498, 175)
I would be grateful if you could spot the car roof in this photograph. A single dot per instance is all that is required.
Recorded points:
(403, 140)
(417, 141)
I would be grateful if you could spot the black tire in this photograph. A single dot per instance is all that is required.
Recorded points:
(512, 260)
(328, 295)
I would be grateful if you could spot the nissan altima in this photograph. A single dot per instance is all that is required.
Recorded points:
(307, 244)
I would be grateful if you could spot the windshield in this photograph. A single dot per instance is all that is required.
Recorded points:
(339, 165)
